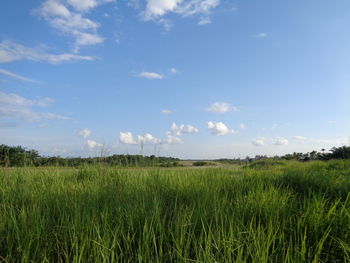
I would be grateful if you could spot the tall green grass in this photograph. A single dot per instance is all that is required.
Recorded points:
(288, 212)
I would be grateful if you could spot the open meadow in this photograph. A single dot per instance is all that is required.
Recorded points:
(269, 211)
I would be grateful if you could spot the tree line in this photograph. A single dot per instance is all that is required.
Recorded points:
(11, 156)
(342, 152)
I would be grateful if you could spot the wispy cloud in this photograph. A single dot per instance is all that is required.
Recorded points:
(11, 51)
(150, 75)
(260, 35)
(222, 107)
(167, 112)
(15, 107)
(274, 126)
(242, 126)
(85, 133)
(219, 128)
(300, 139)
(173, 70)
(87, 5)
(17, 76)
(69, 18)
(204, 21)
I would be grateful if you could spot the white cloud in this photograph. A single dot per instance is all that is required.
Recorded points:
(204, 21)
(93, 144)
(148, 139)
(84, 39)
(126, 138)
(301, 139)
(279, 141)
(150, 75)
(261, 35)
(242, 126)
(56, 8)
(16, 100)
(195, 7)
(219, 128)
(85, 133)
(173, 70)
(172, 139)
(58, 14)
(178, 130)
(259, 141)
(155, 9)
(222, 107)
(10, 51)
(86, 5)
(13, 106)
(166, 23)
(16, 76)
(167, 112)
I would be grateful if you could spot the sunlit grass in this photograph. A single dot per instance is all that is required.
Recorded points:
(289, 212)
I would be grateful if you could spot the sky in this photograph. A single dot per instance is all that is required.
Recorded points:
(194, 79)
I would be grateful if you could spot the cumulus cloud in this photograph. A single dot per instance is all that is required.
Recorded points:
(11, 51)
(150, 75)
(15, 107)
(171, 139)
(148, 139)
(127, 138)
(279, 141)
(219, 128)
(59, 15)
(259, 141)
(156, 9)
(93, 144)
(222, 107)
(178, 130)
(85, 133)
(167, 112)
(17, 76)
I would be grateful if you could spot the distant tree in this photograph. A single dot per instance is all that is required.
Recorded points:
(340, 152)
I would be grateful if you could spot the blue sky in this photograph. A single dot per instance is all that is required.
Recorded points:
(190, 78)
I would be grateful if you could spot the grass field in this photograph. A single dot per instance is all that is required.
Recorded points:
(267, 212)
